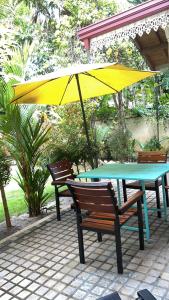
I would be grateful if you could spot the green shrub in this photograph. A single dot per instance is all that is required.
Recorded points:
(151, 145)
(121, 145)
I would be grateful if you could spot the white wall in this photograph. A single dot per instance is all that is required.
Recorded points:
(144, 128)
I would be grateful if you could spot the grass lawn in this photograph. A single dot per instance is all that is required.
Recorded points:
(17, 204)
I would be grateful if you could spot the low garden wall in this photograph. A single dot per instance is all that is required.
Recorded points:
(143, 128)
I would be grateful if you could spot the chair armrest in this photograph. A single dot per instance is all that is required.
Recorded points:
(58, 182)
(133, 199)
(62, 182)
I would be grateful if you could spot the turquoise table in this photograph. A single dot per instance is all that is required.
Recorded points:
(132, 171)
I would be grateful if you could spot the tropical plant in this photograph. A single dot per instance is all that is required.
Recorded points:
(26, 137)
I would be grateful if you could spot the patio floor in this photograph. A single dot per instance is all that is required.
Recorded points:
(43, 263)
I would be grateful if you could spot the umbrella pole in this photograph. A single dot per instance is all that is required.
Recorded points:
(85, 122)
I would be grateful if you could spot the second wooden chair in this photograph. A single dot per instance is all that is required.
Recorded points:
(60, 172)
(149, 157)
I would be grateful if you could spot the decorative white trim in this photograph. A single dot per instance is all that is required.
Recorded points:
(131, 30)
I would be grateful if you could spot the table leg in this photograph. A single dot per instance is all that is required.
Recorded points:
(147, 228)
(118, 192)
(166, 191)
(164, 197)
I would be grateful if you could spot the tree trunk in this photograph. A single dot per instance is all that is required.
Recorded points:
(118, 101)
(157, 106)
(5, 206)
(34, 209)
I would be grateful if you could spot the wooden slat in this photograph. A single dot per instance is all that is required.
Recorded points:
(149, 184)
(103, 224)
(61, 170)
(65, 193)
(90, 225)
(152, 157)
(92, 191)
(99, 221)
(110, 216)
(97, 208)
(108, 224)
(101, 215)
(63, 174)
(95, 200)
(62, 164)
(97, 185)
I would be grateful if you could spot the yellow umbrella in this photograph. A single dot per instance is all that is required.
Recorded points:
(62, 86)
(78, 83)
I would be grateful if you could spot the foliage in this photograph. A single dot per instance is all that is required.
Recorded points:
(120, 145)
(104, 111)
(44, 33)
(136, 1)
(17, 204)
(101, 133)
(68, 138)
(26, 138)
(41, 36)
(5, 165)
(140, 111)
(151, 145)
(164, 82)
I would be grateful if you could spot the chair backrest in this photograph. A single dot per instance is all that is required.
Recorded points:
(94, 197)
(61, 170)
(151, 157)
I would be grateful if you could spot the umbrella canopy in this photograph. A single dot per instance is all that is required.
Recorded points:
(78, 83)
(62, 86)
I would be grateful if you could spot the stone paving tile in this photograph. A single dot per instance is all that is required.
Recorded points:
(44, 263)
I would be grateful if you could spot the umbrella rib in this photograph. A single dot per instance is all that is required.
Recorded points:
(88, 74)
(70, 79)
(32, 90)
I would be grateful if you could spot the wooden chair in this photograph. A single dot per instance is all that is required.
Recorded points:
(103, 214)
(60, 172)
(149, 157)
(143, 295)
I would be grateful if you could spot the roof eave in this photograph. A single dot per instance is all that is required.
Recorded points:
(132, 15)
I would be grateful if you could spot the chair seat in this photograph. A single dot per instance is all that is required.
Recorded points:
(65, 193)
(105, 221)
(149, 185)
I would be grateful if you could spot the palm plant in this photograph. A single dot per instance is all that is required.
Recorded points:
(26, 139)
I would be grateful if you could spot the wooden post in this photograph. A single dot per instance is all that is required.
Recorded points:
(5, 206)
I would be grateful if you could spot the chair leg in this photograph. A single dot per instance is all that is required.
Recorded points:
(166, 191)
(118, 248)
(99, 236)
(124, 190)
(157, 199)
(57, 204)
(140, 224)
(81, 244)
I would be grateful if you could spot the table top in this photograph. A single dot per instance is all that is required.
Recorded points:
(130, 171)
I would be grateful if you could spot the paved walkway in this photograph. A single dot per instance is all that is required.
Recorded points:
(43, 263)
